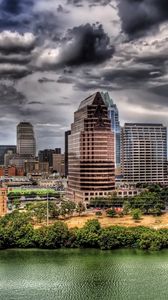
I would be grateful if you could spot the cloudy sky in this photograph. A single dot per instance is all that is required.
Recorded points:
(55, 53)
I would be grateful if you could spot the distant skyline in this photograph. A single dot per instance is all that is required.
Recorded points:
(55, 53)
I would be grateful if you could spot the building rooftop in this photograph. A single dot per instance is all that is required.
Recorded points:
(143, 124)
(107, 100)
(89, 100)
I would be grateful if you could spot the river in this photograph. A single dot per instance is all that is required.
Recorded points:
(83, 275)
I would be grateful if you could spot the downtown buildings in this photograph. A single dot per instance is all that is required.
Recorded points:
(94, 152)
(144, 153)
(91, 152)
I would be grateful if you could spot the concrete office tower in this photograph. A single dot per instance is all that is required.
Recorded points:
(144, 152)
(26, 143)
(115, 126)
(91, 152)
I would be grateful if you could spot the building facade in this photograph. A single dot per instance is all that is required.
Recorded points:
(91, 152)
(46, 155)
(26, 143)
(59, 164)
(7, 157)
(144, 152)
(4, 149)
(67, 134)
(115, 126)
(35, 167)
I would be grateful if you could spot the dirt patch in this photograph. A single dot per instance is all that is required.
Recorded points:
(148, 221)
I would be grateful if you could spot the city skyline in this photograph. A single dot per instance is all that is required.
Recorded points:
(54, 53)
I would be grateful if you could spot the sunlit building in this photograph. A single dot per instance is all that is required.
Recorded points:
(91, 152)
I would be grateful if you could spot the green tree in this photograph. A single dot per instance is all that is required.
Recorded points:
(16, 203)
(80, 208)
(88, 236)
(98, 213)
(136, 214)
(146, 201)
(54, 236)
(67, 208)
(111, 213)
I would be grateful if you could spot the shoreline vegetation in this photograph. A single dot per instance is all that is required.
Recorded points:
(17, 231)
(26, 229)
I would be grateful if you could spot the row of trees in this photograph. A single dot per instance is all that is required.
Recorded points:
(38, 210)
(148, 202)
(16, 230)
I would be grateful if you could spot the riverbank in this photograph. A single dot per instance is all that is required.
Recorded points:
(16, 231)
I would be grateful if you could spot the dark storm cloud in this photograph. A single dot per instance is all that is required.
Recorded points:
(11, 101)
(82, 45)
(15, 7)
(138, 16)
(16, 14)
(161, 90)
(132, 75)
(92, 42)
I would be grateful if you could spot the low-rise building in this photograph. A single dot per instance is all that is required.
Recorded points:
(59, 164)
(3, 201)
(35, 167)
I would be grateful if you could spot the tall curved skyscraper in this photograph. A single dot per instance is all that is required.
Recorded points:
(26, 143)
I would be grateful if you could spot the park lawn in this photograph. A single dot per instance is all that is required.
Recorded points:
(149, 221)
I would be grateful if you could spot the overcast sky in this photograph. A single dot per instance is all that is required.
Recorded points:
(55, 53)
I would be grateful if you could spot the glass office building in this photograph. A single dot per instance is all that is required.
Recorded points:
(115, 126)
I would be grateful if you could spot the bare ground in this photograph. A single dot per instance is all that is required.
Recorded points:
(148, 221)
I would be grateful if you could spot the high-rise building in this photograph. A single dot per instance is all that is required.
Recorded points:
(144, 152)
(4, 149)
(91, 152)
(46, 155)
(26, 143)
(67, 134)
(115, 125)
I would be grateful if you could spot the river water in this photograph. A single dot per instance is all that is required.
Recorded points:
(83, 275)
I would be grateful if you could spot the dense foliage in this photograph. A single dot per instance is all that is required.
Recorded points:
(16, 230)
(153, 200)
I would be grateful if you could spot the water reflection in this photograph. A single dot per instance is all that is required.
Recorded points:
(83, 274)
